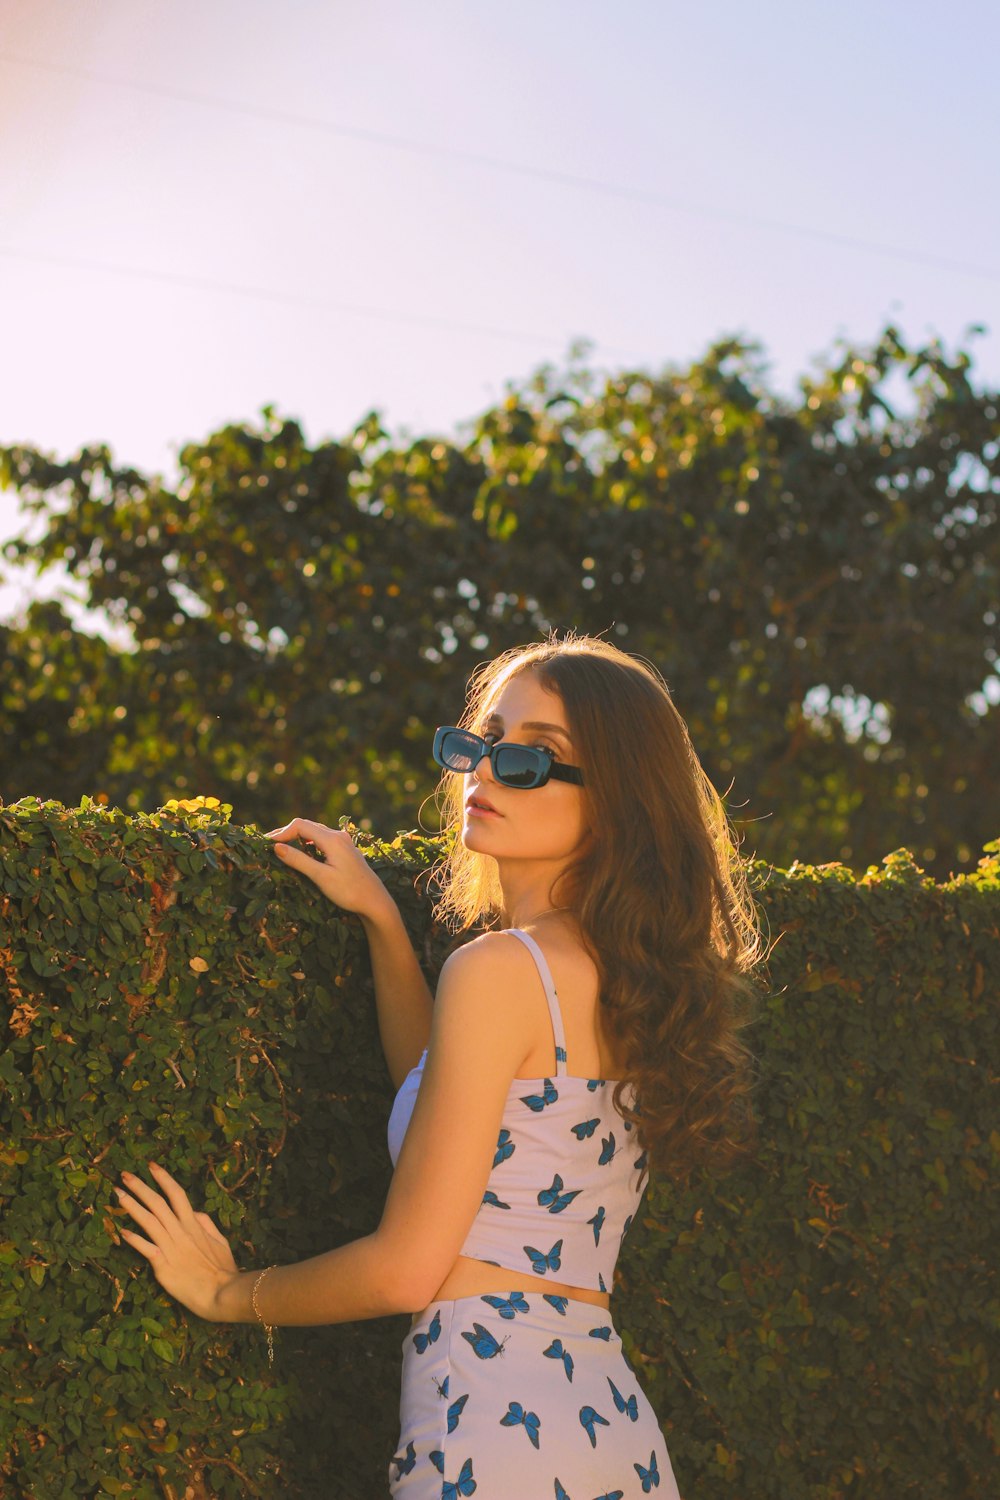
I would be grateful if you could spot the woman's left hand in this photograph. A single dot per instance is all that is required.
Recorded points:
(190, 1258)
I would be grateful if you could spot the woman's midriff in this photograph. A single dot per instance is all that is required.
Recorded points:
(469, 1277)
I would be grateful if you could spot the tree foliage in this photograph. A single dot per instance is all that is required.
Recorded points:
(817, 578)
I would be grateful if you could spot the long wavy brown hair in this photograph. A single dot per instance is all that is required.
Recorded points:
(672, 927)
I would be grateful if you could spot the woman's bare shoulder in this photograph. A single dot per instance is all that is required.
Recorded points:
(498, 952)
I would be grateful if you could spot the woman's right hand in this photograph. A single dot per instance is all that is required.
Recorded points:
(346, 878)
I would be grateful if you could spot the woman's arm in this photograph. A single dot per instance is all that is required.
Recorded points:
(480, 1032)
(347, 879)
(402, 996)
(345, 1285)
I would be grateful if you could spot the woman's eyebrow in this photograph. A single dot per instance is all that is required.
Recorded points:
(533, 724)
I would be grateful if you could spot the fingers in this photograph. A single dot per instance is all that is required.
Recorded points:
(286, 831)
(178, 1205)
(148, 1250)
(210, 1229)
(176, 1196)
(146, 1220)
(307, 828)
(298, 827)
(157, 1218)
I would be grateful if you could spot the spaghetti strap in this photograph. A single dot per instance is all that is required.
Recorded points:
(550, 995)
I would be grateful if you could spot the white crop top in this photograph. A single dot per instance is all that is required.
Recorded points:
(564, 1186)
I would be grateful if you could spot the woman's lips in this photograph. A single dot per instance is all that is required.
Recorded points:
(481, 812)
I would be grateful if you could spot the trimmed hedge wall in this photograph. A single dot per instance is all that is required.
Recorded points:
(816, 1324)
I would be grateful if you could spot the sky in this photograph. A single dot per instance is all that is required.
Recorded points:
(213, 205)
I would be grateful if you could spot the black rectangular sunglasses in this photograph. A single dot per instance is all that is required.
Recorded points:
(522, 766)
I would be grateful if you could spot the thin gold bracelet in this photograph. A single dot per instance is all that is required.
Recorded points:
(269, 1329)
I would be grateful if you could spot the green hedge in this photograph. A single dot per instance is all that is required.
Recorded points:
(815, 1324)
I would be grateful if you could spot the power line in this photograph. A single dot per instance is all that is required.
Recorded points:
(208, 283)
(565, 179)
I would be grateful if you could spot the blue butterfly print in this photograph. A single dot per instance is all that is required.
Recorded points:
(598, 1223)
(650, 1476)
(593, 1084)
(559, 1303)
(517, 1416)
(537, 1102)
(424, 1340)
(607, 1150)
(629, 1407)
(541, 1262)
(489, 1197)
(442, 1385)
(404, 1465)
(601, 1333)
(455, 1411)
(561, 1494)
(612, 1495)
(554, 1198)
(640, 1162)
(483, 1342)
(560, 1054)
(436, 1457)
(586, 1128)
(505, 1147)
(628, 1225)
(556, 1351)
(628, 1124)
(464, 1484)
(508, 1306)
(589, 1419)
(600, 1282)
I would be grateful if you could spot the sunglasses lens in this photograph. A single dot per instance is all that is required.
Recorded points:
(518, 765)
(513, 765)
(457, 750)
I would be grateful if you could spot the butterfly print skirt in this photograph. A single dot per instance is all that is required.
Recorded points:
(527, 1395)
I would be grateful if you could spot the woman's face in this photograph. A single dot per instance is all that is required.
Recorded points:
(545, 822)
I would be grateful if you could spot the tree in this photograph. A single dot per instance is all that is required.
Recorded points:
(817, 580)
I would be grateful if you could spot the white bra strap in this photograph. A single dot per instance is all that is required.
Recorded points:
(550, 996)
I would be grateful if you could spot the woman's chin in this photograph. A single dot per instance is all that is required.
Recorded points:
(475, 836)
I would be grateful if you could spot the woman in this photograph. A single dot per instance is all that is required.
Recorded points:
(593, 841)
